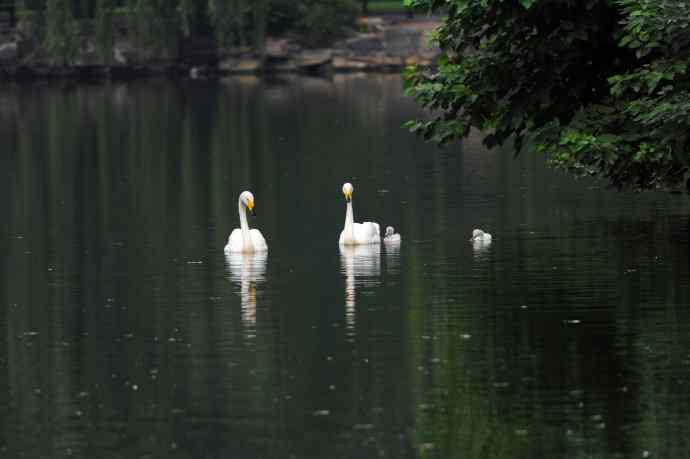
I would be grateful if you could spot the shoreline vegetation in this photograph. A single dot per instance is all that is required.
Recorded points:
(126, 39)
(601, 88)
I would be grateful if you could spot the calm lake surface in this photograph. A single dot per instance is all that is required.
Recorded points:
(127, 333)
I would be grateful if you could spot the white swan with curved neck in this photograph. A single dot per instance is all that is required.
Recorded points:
(357, 233)
(243, 239)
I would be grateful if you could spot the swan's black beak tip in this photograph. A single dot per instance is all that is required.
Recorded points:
(252, 211)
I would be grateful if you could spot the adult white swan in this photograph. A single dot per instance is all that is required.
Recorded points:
(357, 233)
(243, 239)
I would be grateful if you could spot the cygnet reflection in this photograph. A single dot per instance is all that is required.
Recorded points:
(247, 270)
(480, 247)
(392, 245)
(361, 265)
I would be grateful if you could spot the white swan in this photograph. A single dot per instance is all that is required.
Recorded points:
(480, 236)
(391, 236)
(243, 239)
(357, 233)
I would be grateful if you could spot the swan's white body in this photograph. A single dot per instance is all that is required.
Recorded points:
(239, 243)
(357, 233)
(480, 236)
(391, 236)
(243, 239)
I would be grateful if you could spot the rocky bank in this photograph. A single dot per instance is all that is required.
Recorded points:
(380, 45)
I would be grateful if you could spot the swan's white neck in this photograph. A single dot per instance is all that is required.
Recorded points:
(349, 228)
(244, 227)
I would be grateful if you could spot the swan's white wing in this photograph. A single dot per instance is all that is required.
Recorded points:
(392, 239)
(258, 240)
(235, 241)
(361, 233)
(367, 233)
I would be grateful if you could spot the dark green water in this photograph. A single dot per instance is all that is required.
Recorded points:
(126, 332)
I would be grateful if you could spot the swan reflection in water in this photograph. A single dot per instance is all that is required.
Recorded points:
(392, 255)
(361, 265)
(247, 270)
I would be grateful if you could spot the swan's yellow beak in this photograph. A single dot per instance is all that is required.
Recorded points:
(348, 195)
(250, 206)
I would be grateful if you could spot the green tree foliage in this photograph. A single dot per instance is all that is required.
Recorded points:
(187, 12)
(104, 30)
(61, 40)
(322, 21)
(599, 86)
(156, 25)
(247, 22)
(228, 18)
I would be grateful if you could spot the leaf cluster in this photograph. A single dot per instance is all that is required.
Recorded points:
(61, 39)
(599, 86)
(313, 22)
(156, 25)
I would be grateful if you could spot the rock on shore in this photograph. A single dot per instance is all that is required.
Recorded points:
(380, 46)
